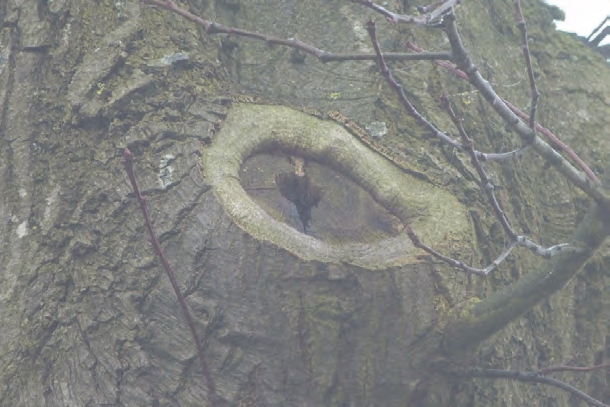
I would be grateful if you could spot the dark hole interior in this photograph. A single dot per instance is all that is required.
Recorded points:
(345, 213)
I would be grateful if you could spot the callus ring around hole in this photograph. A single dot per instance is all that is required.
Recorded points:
(251, 129)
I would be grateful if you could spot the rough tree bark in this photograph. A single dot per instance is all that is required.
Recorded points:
(88, 317)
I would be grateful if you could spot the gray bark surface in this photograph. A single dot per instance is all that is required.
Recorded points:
(88, 316)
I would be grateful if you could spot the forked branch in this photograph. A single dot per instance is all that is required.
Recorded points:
(476, 158)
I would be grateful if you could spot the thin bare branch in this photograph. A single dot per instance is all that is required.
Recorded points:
(554, 139)
(534, 377)
(564, 368)
(452, 262)
(465, 64)
(128, 163)
(410, 109)
(528, 62)
(212, 27)
(503, 156)
(431, 14)
(597, 28)
(486, 184)
(488, 187)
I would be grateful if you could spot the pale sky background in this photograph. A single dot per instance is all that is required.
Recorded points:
(582, 16)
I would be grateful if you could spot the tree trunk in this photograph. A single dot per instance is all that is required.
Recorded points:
(304, 319)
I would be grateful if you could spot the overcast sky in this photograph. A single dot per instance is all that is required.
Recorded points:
(582, 16)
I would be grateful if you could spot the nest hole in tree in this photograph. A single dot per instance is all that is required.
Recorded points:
(345, 213)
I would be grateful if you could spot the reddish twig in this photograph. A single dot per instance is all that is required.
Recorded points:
(465, 64)
(554, 139)
(128, 163)
(528, 135)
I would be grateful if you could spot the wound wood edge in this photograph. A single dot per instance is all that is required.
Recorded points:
(352, 127)
(364, 136)
(249, 129)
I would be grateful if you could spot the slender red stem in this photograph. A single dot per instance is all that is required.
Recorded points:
(128, 163)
